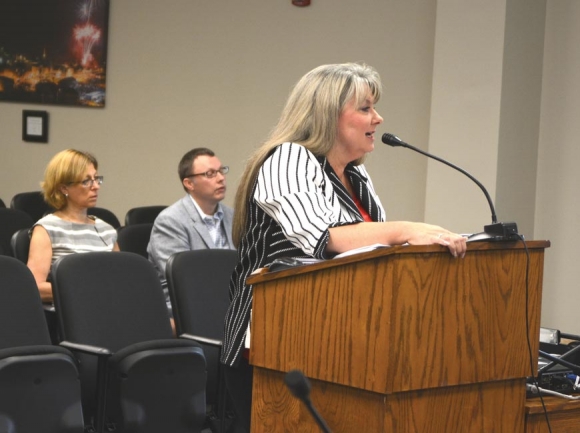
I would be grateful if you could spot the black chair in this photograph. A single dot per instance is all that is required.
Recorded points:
(198, 283)
(112, 306)
(134, 238)
(20, 244)
(32, 203)
(143, 214)
(11, 220)
(2, 203)
(40, 389)
(106, 215)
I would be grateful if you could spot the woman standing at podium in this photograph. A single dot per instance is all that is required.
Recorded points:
(306, 193)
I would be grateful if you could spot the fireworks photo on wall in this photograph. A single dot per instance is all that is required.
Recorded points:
(54, 51)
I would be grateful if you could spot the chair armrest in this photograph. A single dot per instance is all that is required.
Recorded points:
(86, 348)
(204, 340)
(103, 356)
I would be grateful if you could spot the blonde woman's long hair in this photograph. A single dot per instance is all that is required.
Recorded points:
(310, 118)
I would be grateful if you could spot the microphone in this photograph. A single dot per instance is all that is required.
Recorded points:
(299, 386)
(495, 230)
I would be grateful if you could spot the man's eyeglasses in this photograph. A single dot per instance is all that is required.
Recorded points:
(88, 183)
(212, 173)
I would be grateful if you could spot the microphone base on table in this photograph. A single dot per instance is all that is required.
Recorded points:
(497, 232)
(504, 231)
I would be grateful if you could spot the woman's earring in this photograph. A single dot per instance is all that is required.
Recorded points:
(66, 194)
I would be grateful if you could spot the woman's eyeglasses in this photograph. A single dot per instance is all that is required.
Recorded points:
(88, 183)
(212, 173)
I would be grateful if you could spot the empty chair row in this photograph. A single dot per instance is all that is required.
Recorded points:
(33, 204)
(39, 386)
(143, 214)
(134, 374)
(11, 221)
(198, 285)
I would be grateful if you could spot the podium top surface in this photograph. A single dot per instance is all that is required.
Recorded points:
(263, 274)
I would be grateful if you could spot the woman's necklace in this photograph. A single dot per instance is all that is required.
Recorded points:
(74, 219)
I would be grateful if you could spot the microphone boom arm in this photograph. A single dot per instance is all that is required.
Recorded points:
(494, 230)
(478, 183)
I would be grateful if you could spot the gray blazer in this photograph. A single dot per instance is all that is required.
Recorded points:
(180, 227)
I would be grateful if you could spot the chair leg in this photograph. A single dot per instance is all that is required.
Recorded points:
(101, 393)
(222, 401)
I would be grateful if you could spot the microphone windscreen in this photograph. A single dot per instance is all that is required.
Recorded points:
(393, 140)
(298, 384)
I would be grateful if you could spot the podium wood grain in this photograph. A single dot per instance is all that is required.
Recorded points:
(403, 339)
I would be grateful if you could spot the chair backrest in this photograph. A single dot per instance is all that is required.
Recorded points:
(11, 220)
(198, 283)
(32, 203)
(142, 214)
(2, 203)
(134, 238)
(153, 382)
(39, 383)
(109, 299)
(20, 244)
(22, 321)
(106, 215)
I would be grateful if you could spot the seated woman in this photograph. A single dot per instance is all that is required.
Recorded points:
(71, 186)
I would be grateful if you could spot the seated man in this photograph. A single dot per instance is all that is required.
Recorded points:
(198, 220)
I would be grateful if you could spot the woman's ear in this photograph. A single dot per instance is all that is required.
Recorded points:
(64, 190)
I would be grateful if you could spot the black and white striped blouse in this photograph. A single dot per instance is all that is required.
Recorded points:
(296, 198)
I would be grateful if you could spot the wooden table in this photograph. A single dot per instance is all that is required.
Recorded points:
(564, 415)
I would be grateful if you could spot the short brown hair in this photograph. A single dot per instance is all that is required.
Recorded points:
(184, 167)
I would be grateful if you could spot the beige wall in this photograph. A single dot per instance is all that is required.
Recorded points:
(465, 111)
(190, 73)
(462, 79)
(485, 112)
(558, 180)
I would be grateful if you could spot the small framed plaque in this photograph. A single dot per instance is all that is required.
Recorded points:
(35, 126)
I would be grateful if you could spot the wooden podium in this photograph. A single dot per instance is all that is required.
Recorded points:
(400, 339)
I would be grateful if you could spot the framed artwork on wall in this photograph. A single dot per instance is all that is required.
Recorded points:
(54, 51)
(35, 126)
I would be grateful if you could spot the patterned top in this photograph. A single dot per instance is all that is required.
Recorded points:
(297, 197)
(68, 238)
